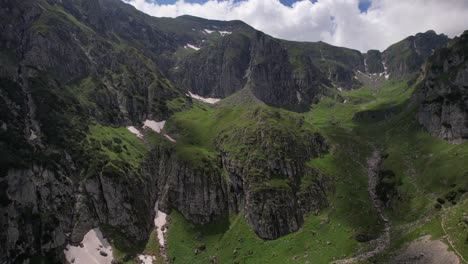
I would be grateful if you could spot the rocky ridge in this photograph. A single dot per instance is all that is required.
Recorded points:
(442, 97)
(66, 69)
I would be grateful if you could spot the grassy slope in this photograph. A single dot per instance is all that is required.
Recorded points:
(196, 130)
(426, 168)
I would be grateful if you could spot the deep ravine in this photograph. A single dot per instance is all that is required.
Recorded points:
(382, 242)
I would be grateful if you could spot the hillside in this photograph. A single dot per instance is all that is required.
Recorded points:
(258, 149)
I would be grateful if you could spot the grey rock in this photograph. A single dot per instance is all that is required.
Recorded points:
(443, 97)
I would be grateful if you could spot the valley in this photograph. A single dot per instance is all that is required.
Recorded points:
(126, 138)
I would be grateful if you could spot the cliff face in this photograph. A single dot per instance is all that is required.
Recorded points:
(272, 80)
(198, 191)
(407, 56)
(259, 170)
(443, 97)
(59, 76)
(252, 60)
(373, 62)
(70, 65)
(265, 164)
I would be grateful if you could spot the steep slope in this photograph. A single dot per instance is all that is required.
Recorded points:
(74, 73)
(407, 56)
(60, 176)
(443, 100)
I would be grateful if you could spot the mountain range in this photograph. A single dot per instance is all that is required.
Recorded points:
(260, 150)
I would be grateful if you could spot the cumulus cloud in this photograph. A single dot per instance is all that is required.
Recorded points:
(338, 22)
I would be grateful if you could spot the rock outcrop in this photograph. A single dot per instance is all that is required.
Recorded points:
(197, 189)
(373, 62)
(264, 164)
(443, 95)
(407, 56)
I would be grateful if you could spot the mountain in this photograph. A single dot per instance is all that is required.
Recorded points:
(106, 124)
(443, 92)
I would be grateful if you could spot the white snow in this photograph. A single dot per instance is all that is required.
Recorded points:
(191, 46)
(155, 126)
(159, 223)
(203, 99)
(93, 242)
(385, 70)
(339, 88)
(33, 135)
(223, 33)
(364, 74)
(146, 259)
(345, 101)
(169, 138)
(355, 77)
(135, 131)
(299, 97)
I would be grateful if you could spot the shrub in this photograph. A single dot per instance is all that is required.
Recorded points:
(450, 196)
(117, 148)
(107, 143)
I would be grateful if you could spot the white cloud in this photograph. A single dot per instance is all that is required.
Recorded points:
(338, 22)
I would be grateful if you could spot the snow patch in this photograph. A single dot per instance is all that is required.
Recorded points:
(160, 221)
(387, 75)
(224, 33)
(155, 126)
(169, 138)
(191, 46)
(339, 88)
(94, 247)
(364, 74)
(33, 135)
(345, 101)
(146, 259)
(355, 77)
(299, 97)
(203, 99)
(135, 131)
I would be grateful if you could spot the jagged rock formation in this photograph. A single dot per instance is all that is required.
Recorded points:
(252, 60)
(443, 97)
(70, 64)
(272, 80)
(195, 189)
(373, 62)
(407, 56)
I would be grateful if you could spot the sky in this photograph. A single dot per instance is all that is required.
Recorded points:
(357, 24)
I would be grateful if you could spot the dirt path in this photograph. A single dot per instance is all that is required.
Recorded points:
(383, 241)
